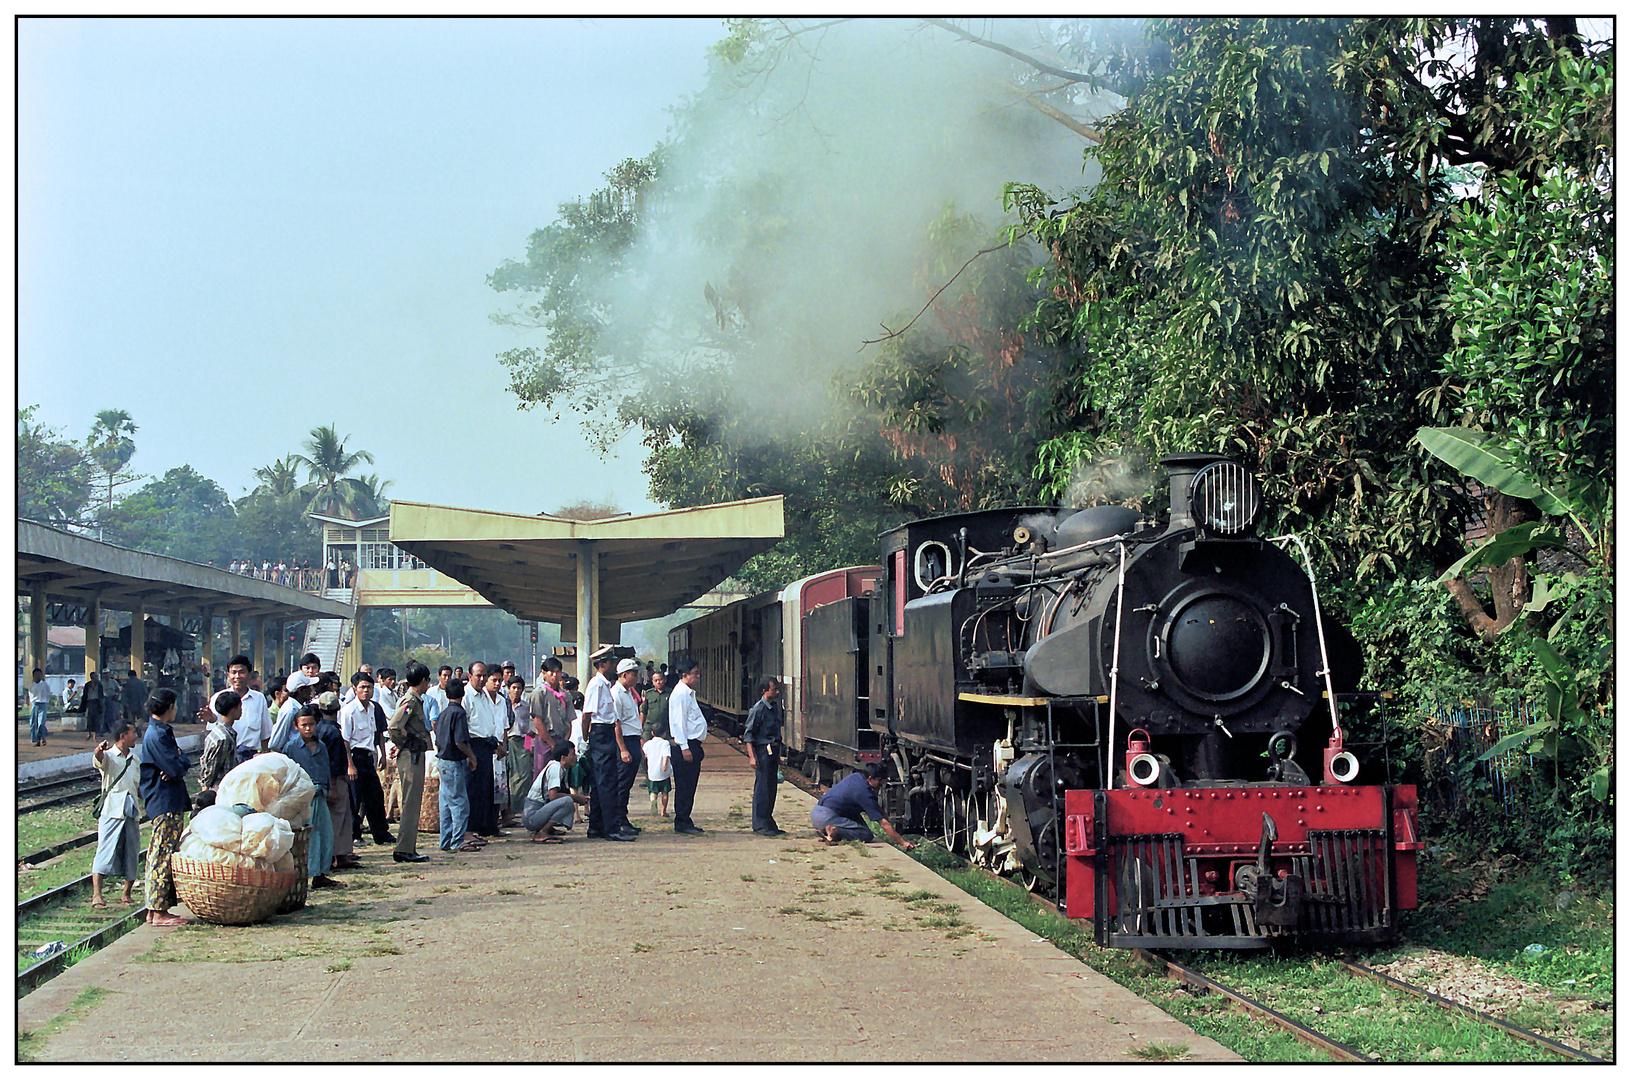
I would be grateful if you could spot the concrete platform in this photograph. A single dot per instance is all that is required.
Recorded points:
(725, 947)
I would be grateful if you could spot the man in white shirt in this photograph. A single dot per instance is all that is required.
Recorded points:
(300, 687)
(438, 695)
(254, 727)
(688, 728)
(385, 690)
(628, 728)
(361, 721)
(607, 751)
(39, 699)
(487, 716)
(351, 692)
(118, 826)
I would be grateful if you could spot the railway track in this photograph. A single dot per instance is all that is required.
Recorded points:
(55, 917)
(1335, 1048)
(80, 787)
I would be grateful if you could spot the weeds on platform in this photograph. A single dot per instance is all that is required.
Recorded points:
(30, 1044)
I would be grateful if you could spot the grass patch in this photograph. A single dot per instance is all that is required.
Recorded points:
(505, 890)
(30, 1044)
(1161, 1051)
(382, 949)
(336, 968)
(749, 877)
(886, 877)
(424, 900)
(640, 946)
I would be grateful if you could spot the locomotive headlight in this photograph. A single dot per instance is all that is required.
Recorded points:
(1225, 498)
(1343, 767)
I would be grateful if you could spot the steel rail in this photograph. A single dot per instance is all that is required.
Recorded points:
(34, 858)
(52, 966)
(1513, 1030)
(61, 892)
(1190, 977)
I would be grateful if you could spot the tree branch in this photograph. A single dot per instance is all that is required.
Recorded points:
(897, 333)
(1047, 69)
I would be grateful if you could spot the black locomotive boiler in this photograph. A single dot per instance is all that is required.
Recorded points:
(1140, 716)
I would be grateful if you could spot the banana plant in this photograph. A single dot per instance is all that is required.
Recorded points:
(1474, 454)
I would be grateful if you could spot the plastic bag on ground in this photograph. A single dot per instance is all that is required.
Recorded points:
(271, 783)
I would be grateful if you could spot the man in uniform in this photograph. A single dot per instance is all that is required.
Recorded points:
(607, 752)
(411, 738)
(762, 735)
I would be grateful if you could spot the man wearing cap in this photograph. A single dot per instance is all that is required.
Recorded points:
(687, 729)
(628, 730)
(607, 752)
(300, 687)
(411, 737)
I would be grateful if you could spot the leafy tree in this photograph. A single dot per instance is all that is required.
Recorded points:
(588, 510)
(327, 463)
(182, 514)
(54, 475)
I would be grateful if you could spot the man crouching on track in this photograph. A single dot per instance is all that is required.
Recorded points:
(839, 815)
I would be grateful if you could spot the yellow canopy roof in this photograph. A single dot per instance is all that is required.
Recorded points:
(650, 565)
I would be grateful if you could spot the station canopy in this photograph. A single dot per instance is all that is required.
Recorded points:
(77, 570)
(533, 567)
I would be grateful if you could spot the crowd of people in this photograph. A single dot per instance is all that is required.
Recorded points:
(337, 573)
(544, 760)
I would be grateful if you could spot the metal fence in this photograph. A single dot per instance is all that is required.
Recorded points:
(1456, 734)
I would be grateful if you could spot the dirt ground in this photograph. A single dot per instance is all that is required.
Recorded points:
(723, 947)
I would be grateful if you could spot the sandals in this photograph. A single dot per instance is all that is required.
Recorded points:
(468, 847)
(99, 905)
(168, 920)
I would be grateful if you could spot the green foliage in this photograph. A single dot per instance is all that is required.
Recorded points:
(182, 514)
(54, 476)
(1249, 277)
(333, 492)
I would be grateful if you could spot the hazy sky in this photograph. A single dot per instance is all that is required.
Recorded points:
(236, 230)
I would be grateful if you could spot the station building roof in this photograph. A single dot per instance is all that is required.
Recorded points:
(76, 569)
(650, 564)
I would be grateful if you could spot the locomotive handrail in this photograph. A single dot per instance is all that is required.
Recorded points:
(1319, 624)
(1115, 669)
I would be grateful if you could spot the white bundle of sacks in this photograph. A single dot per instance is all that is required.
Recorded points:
(237, 836)
(272, 784)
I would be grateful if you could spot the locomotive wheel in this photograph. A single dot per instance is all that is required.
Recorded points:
(953, 822)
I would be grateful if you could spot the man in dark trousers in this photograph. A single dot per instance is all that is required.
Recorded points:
(762, 735)
(363, 722)
(135, 698)
(607, 751)
(688, 728)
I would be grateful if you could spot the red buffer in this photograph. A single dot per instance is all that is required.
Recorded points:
(1238, 866)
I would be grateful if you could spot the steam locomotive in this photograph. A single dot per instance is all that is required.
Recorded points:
(1142, 717)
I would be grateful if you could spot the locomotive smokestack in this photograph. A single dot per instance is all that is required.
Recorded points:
(1181, 470)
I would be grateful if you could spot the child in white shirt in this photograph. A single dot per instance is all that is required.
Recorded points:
(659, 772)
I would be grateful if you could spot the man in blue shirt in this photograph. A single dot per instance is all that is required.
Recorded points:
(761, 736)
(838, 816)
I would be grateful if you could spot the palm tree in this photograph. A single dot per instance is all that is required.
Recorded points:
(327, 464)
(110, 445)
(369, 494)
(280, 478)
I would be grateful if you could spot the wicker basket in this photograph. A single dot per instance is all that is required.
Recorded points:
(233, 895)
(430, 799)
(294, 897)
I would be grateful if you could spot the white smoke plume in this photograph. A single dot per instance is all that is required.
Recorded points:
(792, 217)
(1120, 480)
